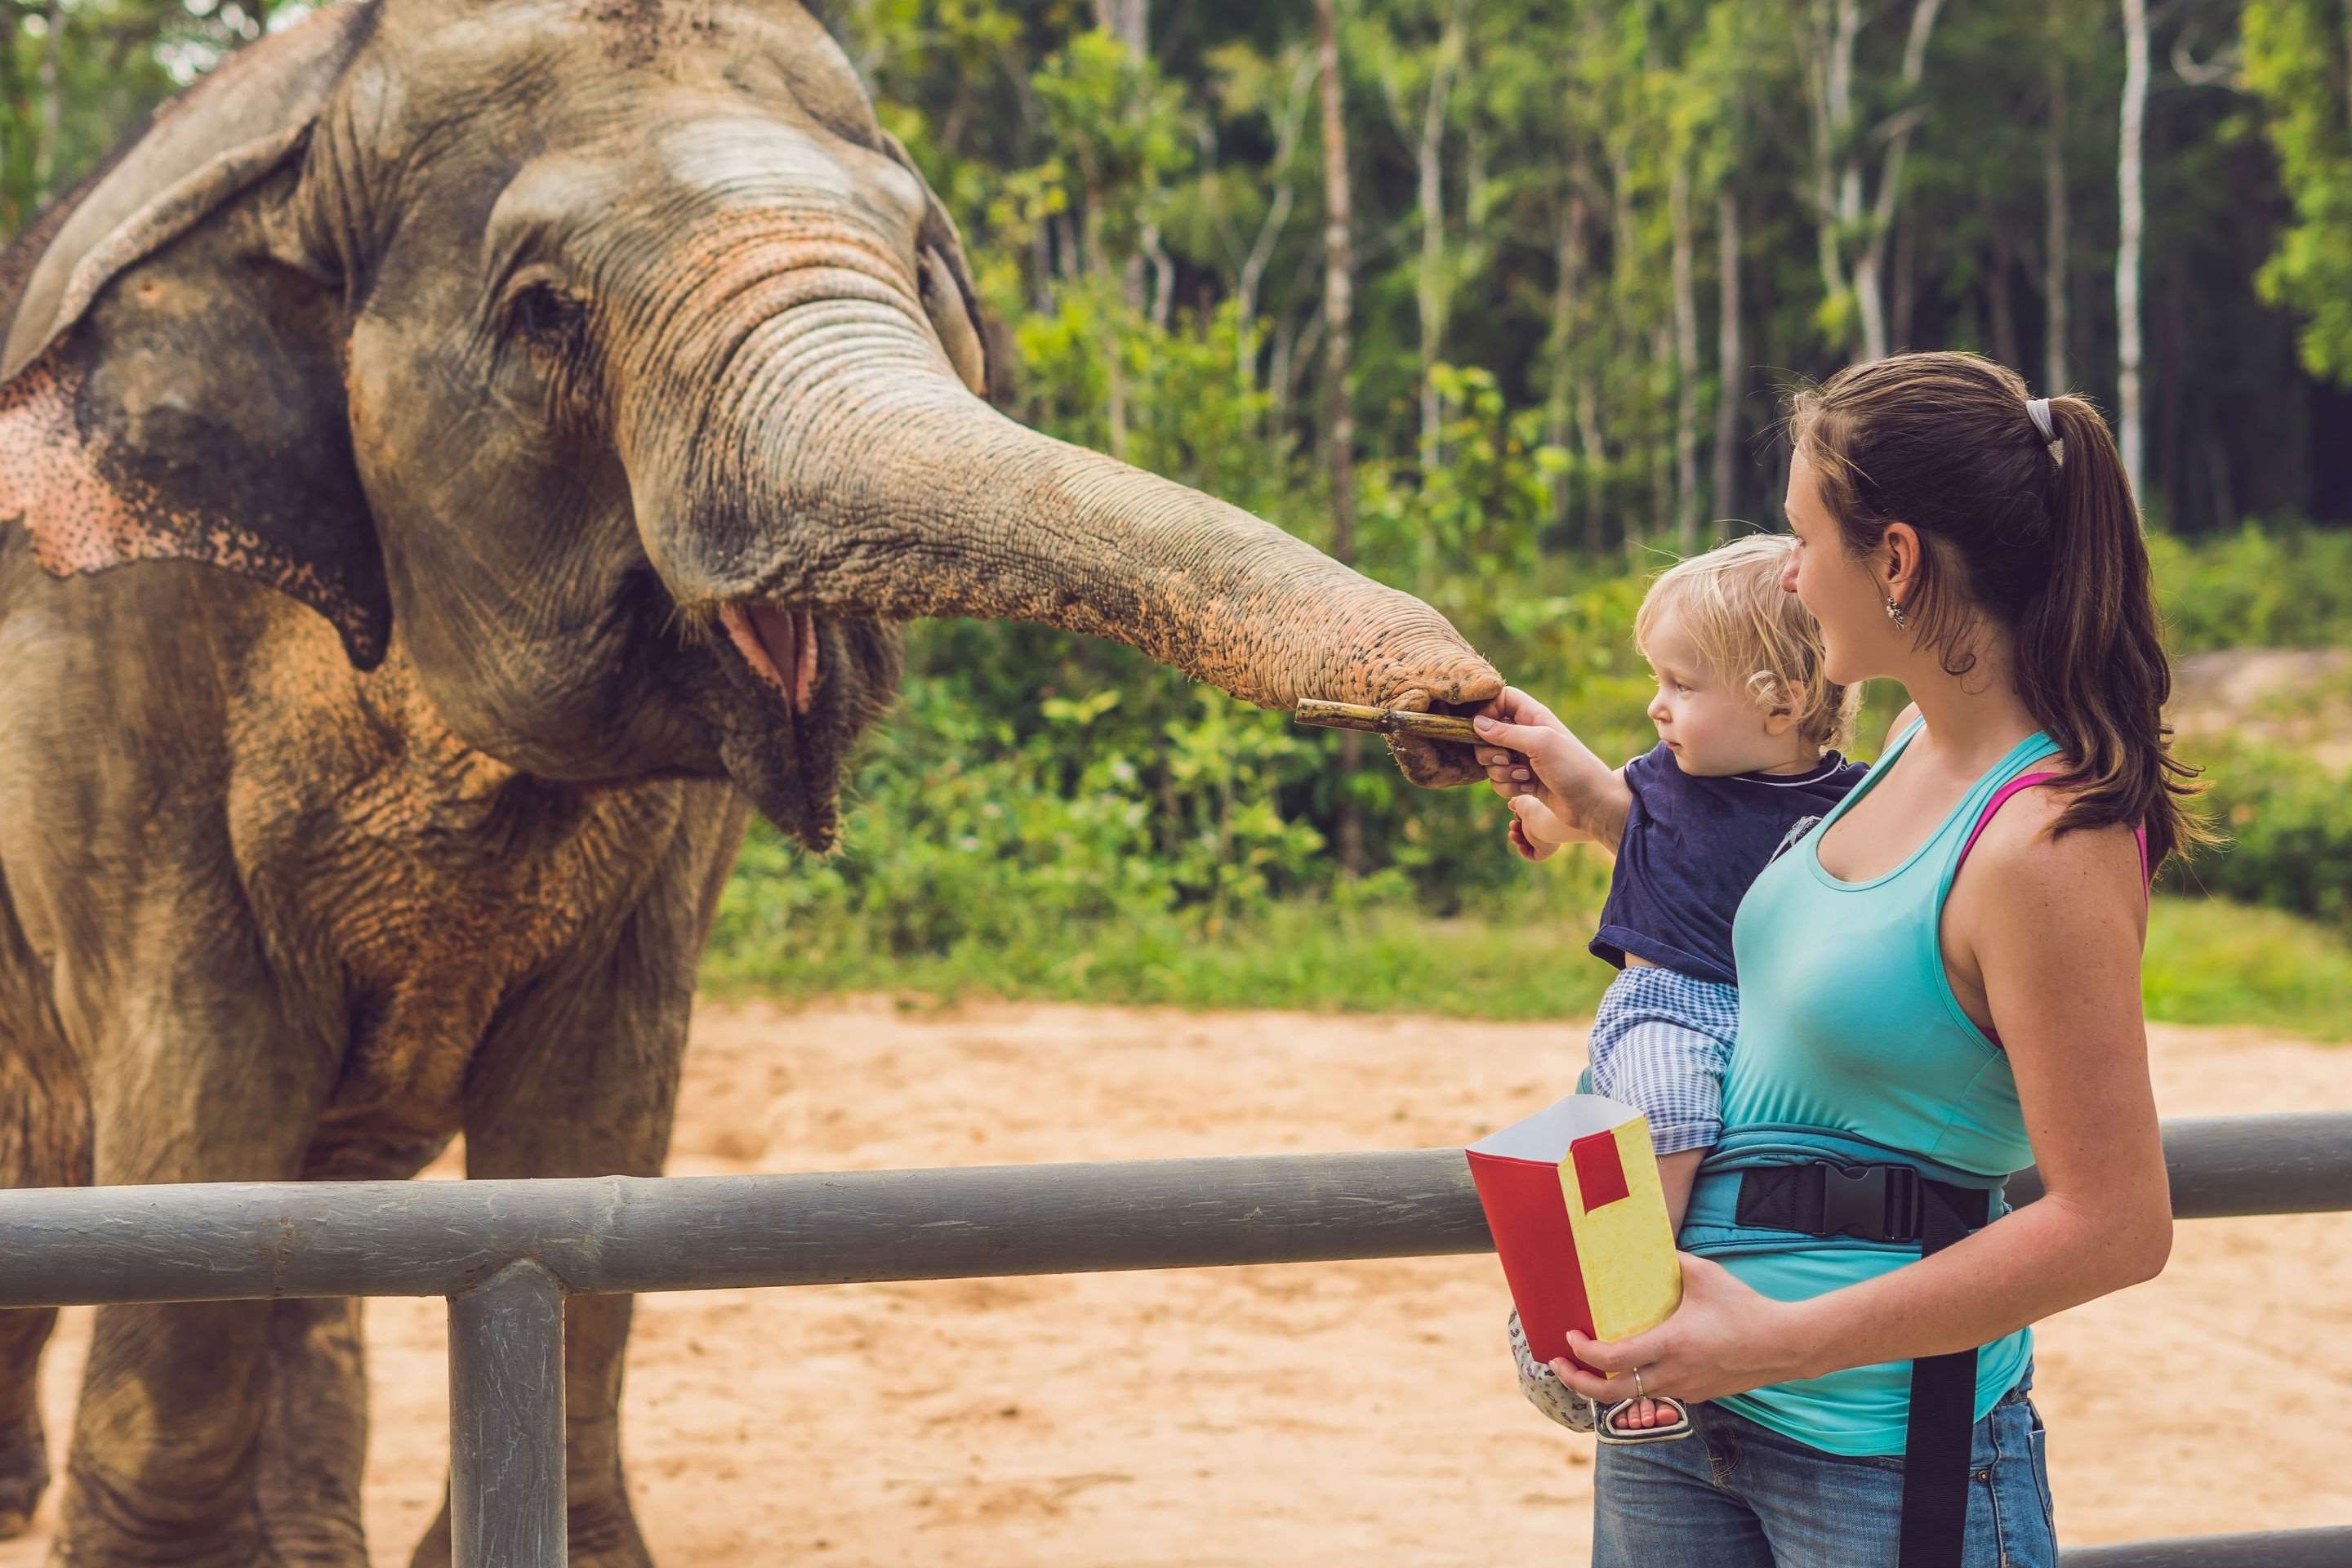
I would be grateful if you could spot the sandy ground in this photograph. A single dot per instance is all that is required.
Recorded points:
(1357, 1412)
(2287, 696)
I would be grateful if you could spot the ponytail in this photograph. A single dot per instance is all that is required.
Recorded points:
(2089, 648)
(2041, 537)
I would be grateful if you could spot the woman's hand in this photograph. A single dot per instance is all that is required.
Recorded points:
(1527, 751)
(1724, 1338)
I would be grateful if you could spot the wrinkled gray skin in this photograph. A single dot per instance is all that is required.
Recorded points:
(520, 429)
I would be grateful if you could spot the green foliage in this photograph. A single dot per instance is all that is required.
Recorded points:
(2299, 58)
(2290, 834)
(2259, 586)
(1050, 816)
(1511, 165)
(1522, 959)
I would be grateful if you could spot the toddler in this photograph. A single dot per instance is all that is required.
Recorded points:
(1745, 761)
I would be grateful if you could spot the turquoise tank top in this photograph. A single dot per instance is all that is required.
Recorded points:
(1848, 1026)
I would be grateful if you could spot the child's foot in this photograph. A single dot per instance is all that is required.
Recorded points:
(1645, 1420)
(1641, 1414)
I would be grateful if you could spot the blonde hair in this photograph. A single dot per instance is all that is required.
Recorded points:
(1753, 634)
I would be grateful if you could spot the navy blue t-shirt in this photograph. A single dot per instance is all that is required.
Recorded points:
(1691, 846)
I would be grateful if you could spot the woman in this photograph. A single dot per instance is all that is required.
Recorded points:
(1938, 982)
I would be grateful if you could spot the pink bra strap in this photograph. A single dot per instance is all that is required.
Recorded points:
(2026, 781)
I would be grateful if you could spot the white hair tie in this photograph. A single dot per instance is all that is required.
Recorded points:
(2038, 410)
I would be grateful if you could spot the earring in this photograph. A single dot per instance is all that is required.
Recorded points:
(1894, 614)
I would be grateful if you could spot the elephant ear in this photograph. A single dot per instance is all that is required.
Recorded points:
(950, 297)
(170, 386)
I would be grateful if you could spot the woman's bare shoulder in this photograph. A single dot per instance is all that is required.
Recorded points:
(2022, 852)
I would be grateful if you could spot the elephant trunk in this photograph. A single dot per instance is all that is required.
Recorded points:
(876, 485)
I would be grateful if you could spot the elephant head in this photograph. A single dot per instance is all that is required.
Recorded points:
(609, 357)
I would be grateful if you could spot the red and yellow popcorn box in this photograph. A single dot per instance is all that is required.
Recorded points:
(1572, 1197)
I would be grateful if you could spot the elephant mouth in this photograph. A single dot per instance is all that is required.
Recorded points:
(794, 697)
(780, 647)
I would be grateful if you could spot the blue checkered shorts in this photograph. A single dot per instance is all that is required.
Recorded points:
(1660, 1044)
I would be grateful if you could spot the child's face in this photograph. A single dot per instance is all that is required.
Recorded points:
(1713, 726)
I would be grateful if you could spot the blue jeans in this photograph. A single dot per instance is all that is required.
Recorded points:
(1738, 1495)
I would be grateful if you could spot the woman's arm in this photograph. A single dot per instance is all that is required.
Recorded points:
(1528, 751)
(2056, 928)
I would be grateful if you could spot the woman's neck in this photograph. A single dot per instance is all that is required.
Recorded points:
(1973, 720)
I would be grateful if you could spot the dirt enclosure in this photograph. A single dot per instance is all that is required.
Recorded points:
(1359, 1413)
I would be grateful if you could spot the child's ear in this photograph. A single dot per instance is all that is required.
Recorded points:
(1779, 720)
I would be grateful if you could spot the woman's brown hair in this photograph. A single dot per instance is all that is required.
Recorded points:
(2042, 536)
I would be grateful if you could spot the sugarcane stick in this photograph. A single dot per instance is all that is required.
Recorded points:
(1384, 721)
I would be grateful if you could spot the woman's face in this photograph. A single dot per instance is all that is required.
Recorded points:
(1846, 594)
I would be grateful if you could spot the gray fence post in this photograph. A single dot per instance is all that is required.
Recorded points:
(506, 1422)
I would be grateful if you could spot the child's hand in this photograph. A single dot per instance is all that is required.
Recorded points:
(1535, 832)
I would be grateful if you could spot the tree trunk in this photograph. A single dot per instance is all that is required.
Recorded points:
(1277, 211)
(1662, 472)
(1430, 290)
(1277, 377)
(1829, 93)
(44, 150)
(1339, 422)
(1592, 450)
(1559, 415)
(2129, 415)
(1999, 305)
(12, 219)
(1687, 501)
(1838, 183)
(1128, 21)
(1163, 276)
(2056, 257)
(2170, 449)
(1903, 286)
(1114, 350)
(1867, 270)
(1731, 372)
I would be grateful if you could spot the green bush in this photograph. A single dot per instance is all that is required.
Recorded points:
(2288, 828)
(2259, 588)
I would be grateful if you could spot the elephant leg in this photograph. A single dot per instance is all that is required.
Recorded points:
(24, 1440)
(586, 1087)
(314, 1439)
(44, 1142)
(167, 1437)
(161, 1465)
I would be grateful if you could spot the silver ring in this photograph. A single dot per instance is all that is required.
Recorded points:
(1638, 1391)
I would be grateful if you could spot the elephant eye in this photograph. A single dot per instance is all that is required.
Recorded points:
(546, 316)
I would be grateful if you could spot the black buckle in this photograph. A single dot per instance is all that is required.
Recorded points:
(1876, 1203)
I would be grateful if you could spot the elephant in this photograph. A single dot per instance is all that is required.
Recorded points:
(456, 461)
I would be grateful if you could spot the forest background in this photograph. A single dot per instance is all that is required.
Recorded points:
(1498, 299)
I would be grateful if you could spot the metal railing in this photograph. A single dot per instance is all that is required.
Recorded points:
(506, 1253)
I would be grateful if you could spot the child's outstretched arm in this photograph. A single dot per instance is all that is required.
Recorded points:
(1527, 751)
